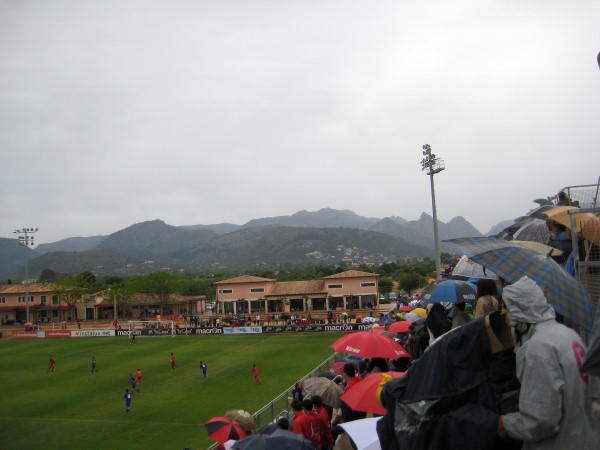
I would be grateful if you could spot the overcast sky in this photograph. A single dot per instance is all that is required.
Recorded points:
(114, 112)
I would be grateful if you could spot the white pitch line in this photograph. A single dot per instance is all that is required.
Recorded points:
(95, 420)
(260, 342)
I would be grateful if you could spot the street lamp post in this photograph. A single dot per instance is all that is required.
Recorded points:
(432, 165)
(25, 237)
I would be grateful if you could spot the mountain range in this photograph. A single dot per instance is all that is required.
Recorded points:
(326, 237)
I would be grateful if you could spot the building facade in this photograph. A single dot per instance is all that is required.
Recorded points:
(44, 304)
(348, 290)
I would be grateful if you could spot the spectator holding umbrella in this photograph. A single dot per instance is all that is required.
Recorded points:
(487, 301)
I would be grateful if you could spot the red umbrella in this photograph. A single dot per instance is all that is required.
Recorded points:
(364, 395)
(367, 344)
(405, 308)
(222, 429)
(338, 367)
(400, 327)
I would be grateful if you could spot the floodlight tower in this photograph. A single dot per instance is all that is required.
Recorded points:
(25, 237)
(432, 165)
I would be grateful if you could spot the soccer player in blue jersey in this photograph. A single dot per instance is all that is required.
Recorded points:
(132, 380)
(128, 397)
(94, 365)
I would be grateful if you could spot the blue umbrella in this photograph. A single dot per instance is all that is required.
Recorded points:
(513, 261)
(450, 291)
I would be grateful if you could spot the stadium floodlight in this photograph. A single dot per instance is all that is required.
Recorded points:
(25, 237)
(432, 165)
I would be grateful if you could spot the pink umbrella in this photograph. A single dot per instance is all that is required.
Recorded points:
(367, 344)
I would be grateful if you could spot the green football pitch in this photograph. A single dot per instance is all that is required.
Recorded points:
(71, 408)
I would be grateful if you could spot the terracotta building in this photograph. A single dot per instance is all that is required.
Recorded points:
(348, 290)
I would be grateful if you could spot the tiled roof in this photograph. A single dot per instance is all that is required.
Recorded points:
(19, 288)
(244, 279)
(288, 288)
(352, 274)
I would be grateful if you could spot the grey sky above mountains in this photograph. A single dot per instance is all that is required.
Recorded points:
(202, 112)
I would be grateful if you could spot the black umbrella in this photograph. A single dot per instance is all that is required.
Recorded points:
(329, 374)
(450, 291)
(278, 440)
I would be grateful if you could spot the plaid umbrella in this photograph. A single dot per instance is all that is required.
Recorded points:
(513, 261)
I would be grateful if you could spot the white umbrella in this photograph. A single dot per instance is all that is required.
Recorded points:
(364, 433)
(469, 269)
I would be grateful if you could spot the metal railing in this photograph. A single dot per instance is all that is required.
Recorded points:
(280, 406)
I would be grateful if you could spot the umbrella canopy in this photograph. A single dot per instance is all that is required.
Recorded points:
(450, 291)
(329, 374)
(539, 247)
(400, 327)
(363, 433)
(534, 230)
(222, 429)
(338, 367)
(412, 317)
(364, 395)
(405, 308)
(421, 312)
(329, 391)
(244, 418)
(465, 269)
(389, 334)
(278, 440)
(513, 261)
(369, 345)
(587, 223)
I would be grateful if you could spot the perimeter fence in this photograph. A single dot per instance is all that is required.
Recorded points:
(281, 405)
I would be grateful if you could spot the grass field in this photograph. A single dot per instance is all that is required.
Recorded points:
(73, 409)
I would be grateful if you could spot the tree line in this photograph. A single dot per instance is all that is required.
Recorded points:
(160, 286)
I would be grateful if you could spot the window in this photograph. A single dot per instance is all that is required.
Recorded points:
(226, 291)
(334, 286)
(43, 299)
(257, 290)
(2, 299)
(55, 299)
(369, 284)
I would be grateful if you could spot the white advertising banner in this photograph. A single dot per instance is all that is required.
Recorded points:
(92, 333)
(242, 330)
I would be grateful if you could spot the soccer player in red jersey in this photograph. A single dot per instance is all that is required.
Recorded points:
(255, 369)
(173, 362)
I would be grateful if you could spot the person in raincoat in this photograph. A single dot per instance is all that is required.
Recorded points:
(554, 400)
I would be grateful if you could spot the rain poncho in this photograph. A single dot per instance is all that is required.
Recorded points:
(554, 402)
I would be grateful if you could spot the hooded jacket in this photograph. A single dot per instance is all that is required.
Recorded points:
(554, 402)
